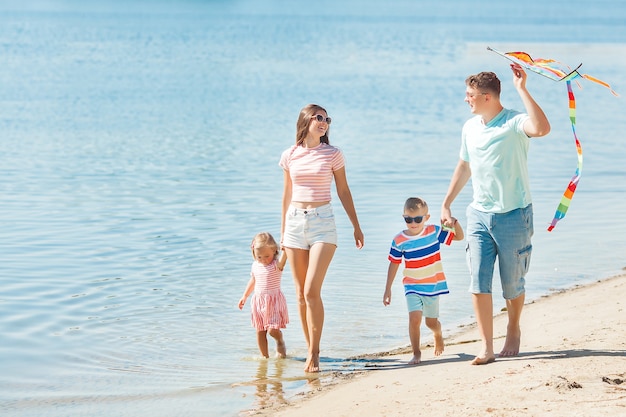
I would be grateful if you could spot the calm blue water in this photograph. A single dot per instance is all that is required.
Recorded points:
(140, 143)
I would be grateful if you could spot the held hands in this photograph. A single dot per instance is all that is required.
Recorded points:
(449, 222)
(446, 217)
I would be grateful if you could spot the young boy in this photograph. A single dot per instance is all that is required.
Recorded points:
(424, 279)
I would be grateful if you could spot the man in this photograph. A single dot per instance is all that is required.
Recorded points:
(494, 152)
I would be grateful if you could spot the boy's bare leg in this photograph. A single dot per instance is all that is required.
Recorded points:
(513, 332)
(415, 321)
(483, 308)
(435, 325)
(281, 349)
(261, 339)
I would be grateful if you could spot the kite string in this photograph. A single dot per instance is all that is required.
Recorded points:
(571, 188)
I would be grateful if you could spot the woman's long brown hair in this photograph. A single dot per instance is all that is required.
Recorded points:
(304, 121)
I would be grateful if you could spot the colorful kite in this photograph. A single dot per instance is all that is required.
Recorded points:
(558, 72)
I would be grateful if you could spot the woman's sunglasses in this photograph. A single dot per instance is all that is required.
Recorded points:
(416, 219)
(321, 118)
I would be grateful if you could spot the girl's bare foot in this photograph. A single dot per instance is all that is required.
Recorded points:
(417, 358)
(281, 349)
(312, 363)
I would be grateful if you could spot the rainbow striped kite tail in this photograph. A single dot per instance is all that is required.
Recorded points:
(554, 222)
(565, 202)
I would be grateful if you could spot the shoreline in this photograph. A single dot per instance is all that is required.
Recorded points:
(572, 361)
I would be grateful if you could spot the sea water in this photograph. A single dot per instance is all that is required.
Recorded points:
(140, 144)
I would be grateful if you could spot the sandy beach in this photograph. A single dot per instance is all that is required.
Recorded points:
(572, 363)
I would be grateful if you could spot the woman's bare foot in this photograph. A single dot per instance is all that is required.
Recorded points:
(312, 363)
(439, 345)
(417, 358)
(511, 343)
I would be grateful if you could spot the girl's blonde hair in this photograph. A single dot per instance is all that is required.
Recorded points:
(305, 120)
(264, 239)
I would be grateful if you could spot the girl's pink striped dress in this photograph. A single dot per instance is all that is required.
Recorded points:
(269, 306)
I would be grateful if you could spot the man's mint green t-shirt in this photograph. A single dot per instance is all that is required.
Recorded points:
(498, 157)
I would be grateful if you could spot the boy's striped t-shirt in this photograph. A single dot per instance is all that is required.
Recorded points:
(423, 273)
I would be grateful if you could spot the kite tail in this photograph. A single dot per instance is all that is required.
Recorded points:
(595, 80)
(571, 187)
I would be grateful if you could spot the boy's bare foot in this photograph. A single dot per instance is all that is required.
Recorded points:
(312, 363)
(438, 344)
(417, 358)
(511, 343)
(281, 349)
(483, 361)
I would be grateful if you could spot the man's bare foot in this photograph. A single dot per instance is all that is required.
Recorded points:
(438, 344)
(312, 363)
(484, 357)
(483, 361)
(281, 349)
(417, 358)
(511, 344)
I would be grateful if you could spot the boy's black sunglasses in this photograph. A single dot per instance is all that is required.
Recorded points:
(416, 219)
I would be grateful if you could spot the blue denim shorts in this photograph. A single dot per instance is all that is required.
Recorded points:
(305, 227)
(505, 236)
(429, 306)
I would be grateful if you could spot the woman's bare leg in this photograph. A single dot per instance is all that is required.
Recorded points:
(299, 263)
(320, 256)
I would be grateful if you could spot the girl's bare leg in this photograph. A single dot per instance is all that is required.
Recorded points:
(299, 263)
(415, 321)
(281, 349)
(320, 256)
(261, 339)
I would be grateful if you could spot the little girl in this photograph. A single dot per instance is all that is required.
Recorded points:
(269, 307)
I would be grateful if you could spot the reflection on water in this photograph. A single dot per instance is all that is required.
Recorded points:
(269, 386)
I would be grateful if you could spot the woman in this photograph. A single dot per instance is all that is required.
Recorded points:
(308, 231)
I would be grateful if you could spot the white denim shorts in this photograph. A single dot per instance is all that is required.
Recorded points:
(306, 227)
